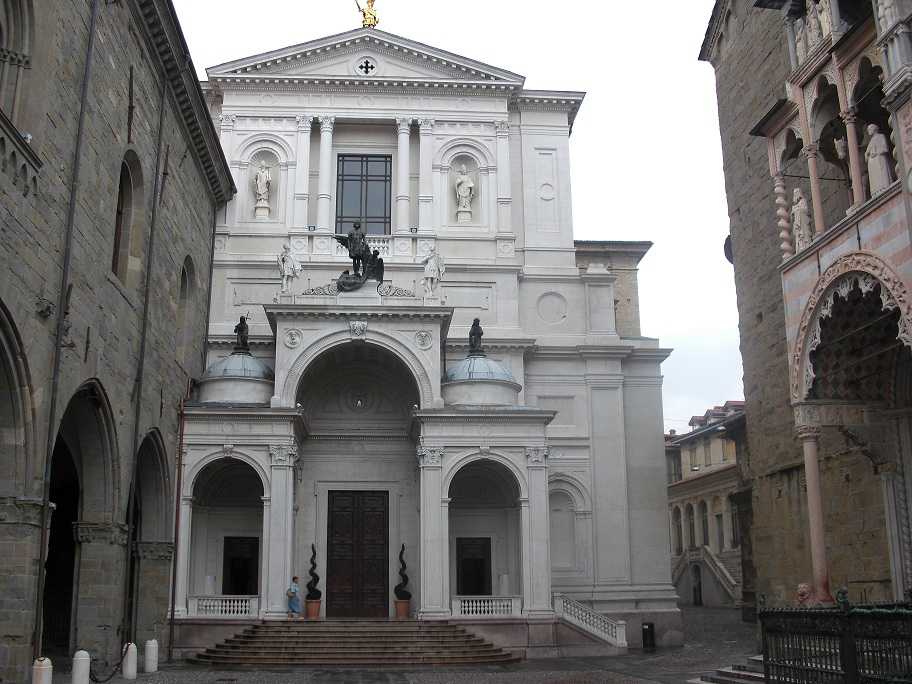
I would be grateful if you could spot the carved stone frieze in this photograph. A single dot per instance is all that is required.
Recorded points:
(100, 533)
(162, 551)
(330, 290)
(390, 290)
(827, 414)
(430, 456)
(20, 511)
(860, 269)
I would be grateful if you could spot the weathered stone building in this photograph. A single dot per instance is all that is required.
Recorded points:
(820, 235)
(706, 528)
(111, 178)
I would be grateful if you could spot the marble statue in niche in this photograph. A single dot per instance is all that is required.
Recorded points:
(801, 220)
(879, 159)
(433, 272)
(288, 267)
(465, 193)
(262, 181)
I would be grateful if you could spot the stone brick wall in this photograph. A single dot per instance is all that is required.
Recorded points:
(750, 74)
(105, 315)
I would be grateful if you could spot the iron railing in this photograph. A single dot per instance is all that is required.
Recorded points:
(847, 644)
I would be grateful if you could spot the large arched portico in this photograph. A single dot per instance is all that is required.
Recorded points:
(357, 494)
(850, 365)
(84, 533)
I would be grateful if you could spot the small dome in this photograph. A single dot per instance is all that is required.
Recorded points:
(239, 365)
(238, 379)
(478, 368)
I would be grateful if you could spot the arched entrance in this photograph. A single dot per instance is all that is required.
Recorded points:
(150, 554)
(226, 548)
(358, 457)
(83, 533)
(485, 532)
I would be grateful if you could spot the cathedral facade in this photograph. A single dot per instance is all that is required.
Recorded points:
(414, 370)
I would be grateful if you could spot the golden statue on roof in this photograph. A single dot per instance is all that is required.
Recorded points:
(368, 14)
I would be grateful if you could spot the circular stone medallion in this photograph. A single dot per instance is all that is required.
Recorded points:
(552, 308)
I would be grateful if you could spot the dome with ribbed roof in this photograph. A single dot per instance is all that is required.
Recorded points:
(240, 378)
(480, 381)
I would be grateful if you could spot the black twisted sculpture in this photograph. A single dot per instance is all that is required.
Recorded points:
(402, 594)
(313, 594)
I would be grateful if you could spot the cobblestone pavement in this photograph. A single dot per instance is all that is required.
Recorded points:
(716, 637)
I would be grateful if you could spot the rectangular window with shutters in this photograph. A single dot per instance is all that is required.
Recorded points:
(363, 193)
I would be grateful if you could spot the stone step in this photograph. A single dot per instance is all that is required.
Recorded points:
(322, 660)
(258, 642)
(346, 652)
(733, 675)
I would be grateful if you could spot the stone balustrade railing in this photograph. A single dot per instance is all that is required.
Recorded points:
(224, 606)
(396, 248)
(591, 621)
(487, 606)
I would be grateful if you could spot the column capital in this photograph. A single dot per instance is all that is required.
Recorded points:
(849, 117)
(810, 151)
(404, 125)
(114, 534)
(304, 121)
(502, 128)
(430, 456)
(327, 123)
(807, 432)
(537, 455)
(163, 551)
(283, 455)
(426, 125)
(227, 121)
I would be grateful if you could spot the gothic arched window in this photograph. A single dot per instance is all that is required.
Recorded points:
(126, 261)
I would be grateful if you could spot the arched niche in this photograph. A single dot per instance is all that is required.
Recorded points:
(867, 98)
(677, 531)
(129, 224)
(563, 531)
(484, 532)
(829, 131)
(17, 438)
(480, 170)
(186, 304)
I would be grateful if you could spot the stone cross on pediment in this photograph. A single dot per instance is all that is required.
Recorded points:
(366, 67)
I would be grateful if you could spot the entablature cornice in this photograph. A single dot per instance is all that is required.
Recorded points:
(776, 119)
(721, 477)
(814, 64)
(486, 415)
(855, 42)
(427, 87)
(277, 312)
(502, 343)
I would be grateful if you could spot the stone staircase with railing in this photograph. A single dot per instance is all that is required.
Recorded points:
(614, 632)
(352, 643)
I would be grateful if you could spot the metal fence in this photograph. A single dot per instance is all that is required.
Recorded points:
(833, 645)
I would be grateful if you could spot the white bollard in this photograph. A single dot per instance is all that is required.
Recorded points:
(81, 664)
(42, 671)
(128, 667)
(150, 657)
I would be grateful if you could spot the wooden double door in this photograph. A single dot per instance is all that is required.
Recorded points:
(357, 555)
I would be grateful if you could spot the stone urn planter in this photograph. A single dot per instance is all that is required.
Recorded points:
(312, 609)
(402, 608)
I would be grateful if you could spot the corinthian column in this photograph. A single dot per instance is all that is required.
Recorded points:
(403, 175)
(425, 180)
(302, 172)
(811, 152)
(810, 437)
(434, 536)
(324, 191)
(851, 123)
(504, 185)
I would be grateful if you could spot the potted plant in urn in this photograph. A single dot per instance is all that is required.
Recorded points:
(312, 601)
(403, 596)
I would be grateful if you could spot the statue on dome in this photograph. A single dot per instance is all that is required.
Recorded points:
(475, 335)
(369, 17)
(242, 331)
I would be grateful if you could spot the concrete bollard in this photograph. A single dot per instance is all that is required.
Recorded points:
(150, 657)
(81, 664)
(42, 671)
(128, 667)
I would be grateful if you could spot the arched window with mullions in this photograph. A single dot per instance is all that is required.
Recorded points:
(126, 262)
(16, 29)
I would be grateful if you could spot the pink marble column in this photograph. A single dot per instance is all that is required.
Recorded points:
(811, 152)
(850, 118)
(810, 436)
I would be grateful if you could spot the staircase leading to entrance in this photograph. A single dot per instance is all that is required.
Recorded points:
(353, 642)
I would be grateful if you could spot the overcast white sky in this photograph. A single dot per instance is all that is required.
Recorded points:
(645, 151)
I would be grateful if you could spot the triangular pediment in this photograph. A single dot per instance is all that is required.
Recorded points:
(365, 54)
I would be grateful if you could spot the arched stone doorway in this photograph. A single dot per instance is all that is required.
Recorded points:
(356, 489)
(227, 558)
(150, 549)
(850, 386)
(485, 540)
(81, 604)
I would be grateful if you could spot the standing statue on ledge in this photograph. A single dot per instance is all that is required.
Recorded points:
(433, 272)
(243, 335)
(261, 183)
(369, 17)
(801, 221)
(288, 267)
(880, 161)
(475, 335)
(465, 193)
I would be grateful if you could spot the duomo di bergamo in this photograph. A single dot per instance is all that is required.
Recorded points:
(390, 194)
